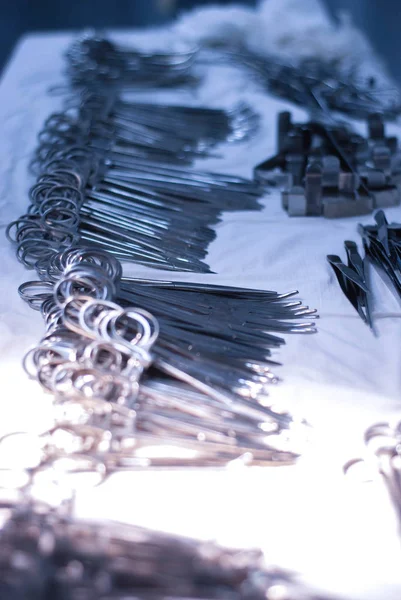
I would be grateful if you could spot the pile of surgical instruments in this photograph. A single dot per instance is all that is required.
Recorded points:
(94, 61)
(315, 84)
(47, 554)
(325, 168)
(166, 381)
(156, 214)
(382, 245)
(128, 129)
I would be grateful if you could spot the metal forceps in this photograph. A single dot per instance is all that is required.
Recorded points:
(352, 280)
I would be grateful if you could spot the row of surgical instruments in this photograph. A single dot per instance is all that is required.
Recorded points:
(161, 384)
(143, 373)
(154, 213)
(319, 85)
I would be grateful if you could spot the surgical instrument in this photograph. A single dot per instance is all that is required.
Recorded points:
(352, 280)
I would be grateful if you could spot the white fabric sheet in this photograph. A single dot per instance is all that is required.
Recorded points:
(340, 537)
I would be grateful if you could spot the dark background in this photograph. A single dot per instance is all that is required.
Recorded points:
(379, 19)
